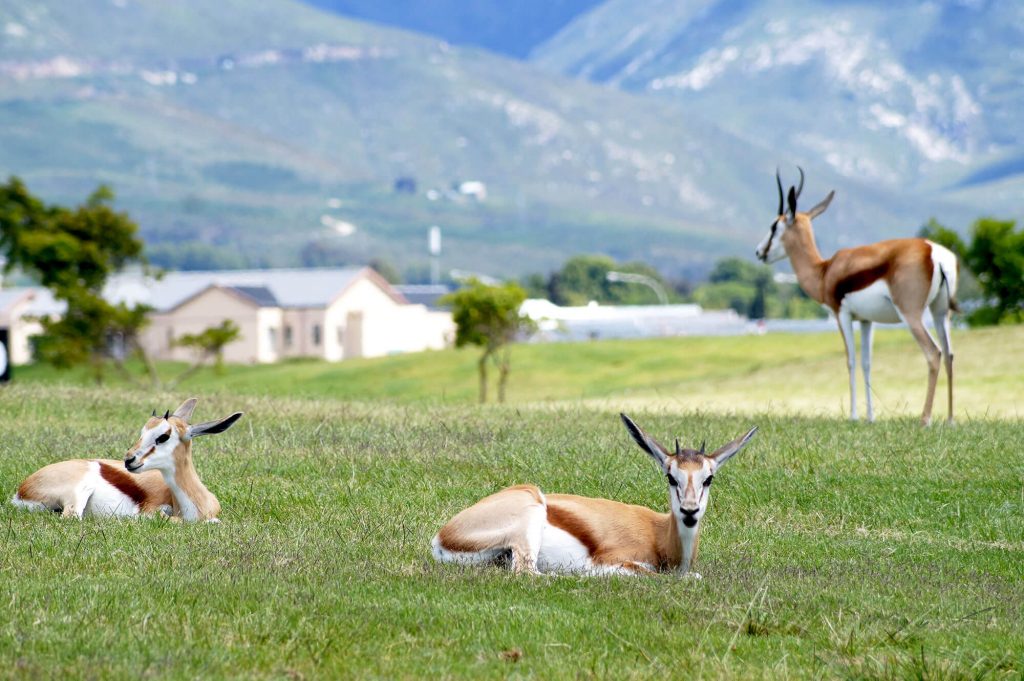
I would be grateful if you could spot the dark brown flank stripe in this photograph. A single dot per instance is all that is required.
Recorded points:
(859, 280)
(122, 480)
(565, 520)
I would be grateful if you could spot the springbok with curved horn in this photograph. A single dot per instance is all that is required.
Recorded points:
(887, 282)
(160, 475)
(563, 533)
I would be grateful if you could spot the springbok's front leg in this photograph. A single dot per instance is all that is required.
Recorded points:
(845, 320)
(866, 336)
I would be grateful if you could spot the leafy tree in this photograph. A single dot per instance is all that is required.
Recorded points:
(745, 287)
(72, 252)
(737, 269)
(751, 290)
(996, 256)
(584, 278)
(488, 317)
(208, 344)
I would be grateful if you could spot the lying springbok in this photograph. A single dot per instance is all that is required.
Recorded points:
(160, 477)
(887, 282)
(562, 533)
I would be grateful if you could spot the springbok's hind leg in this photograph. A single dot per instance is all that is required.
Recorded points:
(940, 316)
(933, 356)
(510, 522)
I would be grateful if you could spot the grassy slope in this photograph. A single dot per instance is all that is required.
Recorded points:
(419, 109)
(830, 549)
(784, 372)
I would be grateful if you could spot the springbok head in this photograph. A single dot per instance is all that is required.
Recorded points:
(164, 439)
(689, 471)
(773, 247)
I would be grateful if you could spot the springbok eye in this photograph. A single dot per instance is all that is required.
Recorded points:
(671, 480)
(163, 438)
(707, 480)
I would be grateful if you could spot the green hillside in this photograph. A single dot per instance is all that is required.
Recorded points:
(273, 134)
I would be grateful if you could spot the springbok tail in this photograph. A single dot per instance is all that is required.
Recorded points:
(950, 294)
(28, 504)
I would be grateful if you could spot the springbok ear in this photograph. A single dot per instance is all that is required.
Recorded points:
(646, 442)
(212, 427)
(726, 452)
(821, 207)
(184, 412)
(792, 203)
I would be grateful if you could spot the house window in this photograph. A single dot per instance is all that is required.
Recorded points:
(272, 337)
(170, 337)
(287, 336)
(341, 335)
(316, 334)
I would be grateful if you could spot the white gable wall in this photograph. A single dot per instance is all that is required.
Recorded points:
(406, 328)
(362, 295)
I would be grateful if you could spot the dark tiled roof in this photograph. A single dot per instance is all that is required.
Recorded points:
(261, 295)
(423, 294)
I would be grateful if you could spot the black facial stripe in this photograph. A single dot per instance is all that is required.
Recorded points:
(671, 480)
(771, 239)
(163, 438)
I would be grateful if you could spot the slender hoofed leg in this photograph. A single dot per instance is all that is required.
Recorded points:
(940, 316)
(932, 355)
(846, 329)
(866, 336)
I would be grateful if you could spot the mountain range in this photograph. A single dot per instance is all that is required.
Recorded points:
(277, 133)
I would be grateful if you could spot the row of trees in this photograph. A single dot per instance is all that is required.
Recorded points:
(747, 287)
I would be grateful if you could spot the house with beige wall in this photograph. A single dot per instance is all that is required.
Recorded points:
(330, 314)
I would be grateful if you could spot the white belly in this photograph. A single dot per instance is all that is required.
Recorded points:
(873, 303)
(108, 500)
(104, 498)
(562, 552)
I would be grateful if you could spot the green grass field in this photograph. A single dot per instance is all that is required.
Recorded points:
(830, 549)
(781, 373)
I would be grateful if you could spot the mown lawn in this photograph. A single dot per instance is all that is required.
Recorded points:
(783, 373)
(830, 549)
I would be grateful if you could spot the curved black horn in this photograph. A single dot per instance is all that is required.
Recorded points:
(801, 187)
(154, 412)
(778, 181)
(678, 449)
(703, 445)
(167, 413)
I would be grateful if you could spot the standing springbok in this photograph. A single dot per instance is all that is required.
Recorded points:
(887, 282)
(162, 476)
(563, 533)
